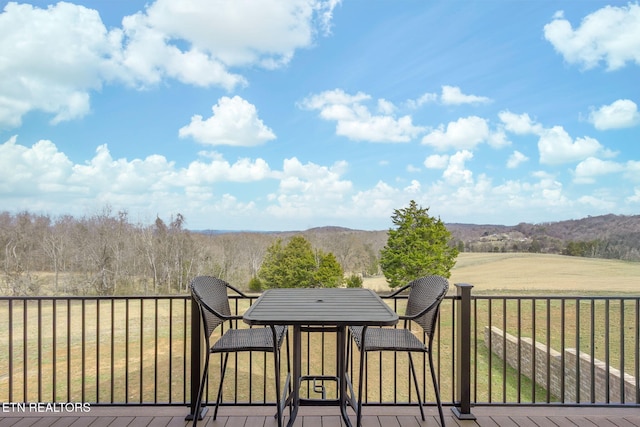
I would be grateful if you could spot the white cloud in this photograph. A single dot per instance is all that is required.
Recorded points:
(414, 188)
(520, 124)
(516, 159)
(355, 121)
(498, 139)
(220, 170)
(423, 99)
(465, 133)
(298, 195)
(635, 198)
(267, 33)
(456, 173)
(632, 168)
(220, 35)
(379, 128)
(386, 107)
(620, 114)
(325, 100)
(44, 174)
(234, 122)
(610, 35)
(436, 161)
(557, 147)
(598, 203)
(103, 175)
(382, 197)
(452, 95)
(147, 58)
(591, 168)
(52, 59)
(308, 190)
(32, 171)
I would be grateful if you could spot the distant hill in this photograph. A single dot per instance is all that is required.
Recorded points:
(237, 255)
(327, 229)
(604, 236)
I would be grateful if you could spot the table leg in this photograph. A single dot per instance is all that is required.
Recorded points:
(342, 372)
(297, 373)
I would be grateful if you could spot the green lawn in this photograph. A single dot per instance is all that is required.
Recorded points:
(132, 350)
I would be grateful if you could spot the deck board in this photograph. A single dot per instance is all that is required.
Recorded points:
(387, 416)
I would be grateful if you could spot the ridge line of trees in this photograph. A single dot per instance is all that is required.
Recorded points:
(105, 253)
(100, 254)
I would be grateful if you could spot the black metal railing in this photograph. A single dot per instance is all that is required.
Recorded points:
(106, 350)
(489, 350)
(557, 349)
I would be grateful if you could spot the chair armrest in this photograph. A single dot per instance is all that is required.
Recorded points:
(396, 292)
(238, 291)
(216, 313)
(421, 313)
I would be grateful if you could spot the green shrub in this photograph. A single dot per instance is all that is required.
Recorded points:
(255, 285)
(354, 281)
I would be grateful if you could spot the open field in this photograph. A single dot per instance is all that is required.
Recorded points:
(134, 350)
(524, 272)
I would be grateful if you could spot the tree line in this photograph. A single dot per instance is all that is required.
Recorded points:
(105, 253)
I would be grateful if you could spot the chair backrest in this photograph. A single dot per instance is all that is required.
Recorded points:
(425, 295)
(211, 296)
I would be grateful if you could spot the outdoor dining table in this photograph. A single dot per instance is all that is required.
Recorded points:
(320, 309)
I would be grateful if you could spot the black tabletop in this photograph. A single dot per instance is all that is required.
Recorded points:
(320, 306)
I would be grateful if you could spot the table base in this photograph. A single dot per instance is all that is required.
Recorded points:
(341, 378)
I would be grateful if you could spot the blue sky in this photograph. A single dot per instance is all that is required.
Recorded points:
(286, 115)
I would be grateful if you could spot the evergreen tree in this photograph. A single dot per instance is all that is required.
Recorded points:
(417, 246)
(294, 265)
(329, 273)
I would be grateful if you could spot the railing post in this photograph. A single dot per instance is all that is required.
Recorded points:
(196, 363)
(462, 408)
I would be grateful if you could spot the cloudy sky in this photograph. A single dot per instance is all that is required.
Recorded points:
(285, 115)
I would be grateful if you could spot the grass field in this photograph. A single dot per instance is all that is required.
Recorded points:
(102, 358)
(524, 273)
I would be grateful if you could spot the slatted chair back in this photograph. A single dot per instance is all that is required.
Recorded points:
(211, 295)
(425, 296)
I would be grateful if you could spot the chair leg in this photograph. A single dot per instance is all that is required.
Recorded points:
(276, 361)
(276, 364)
(290, 383)
(219, 397)
(436, 388)
(203, 380)
(415, 381)
(363, 362)
(347, 364)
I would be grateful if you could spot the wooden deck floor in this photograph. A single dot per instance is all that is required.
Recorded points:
(521, 416)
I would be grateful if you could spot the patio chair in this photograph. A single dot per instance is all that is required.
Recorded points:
(425, 296)
(210, 294)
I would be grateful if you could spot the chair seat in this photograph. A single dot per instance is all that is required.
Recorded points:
(389, 339)
(254, 339)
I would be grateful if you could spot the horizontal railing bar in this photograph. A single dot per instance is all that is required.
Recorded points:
(555, 297)
(98, 298)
